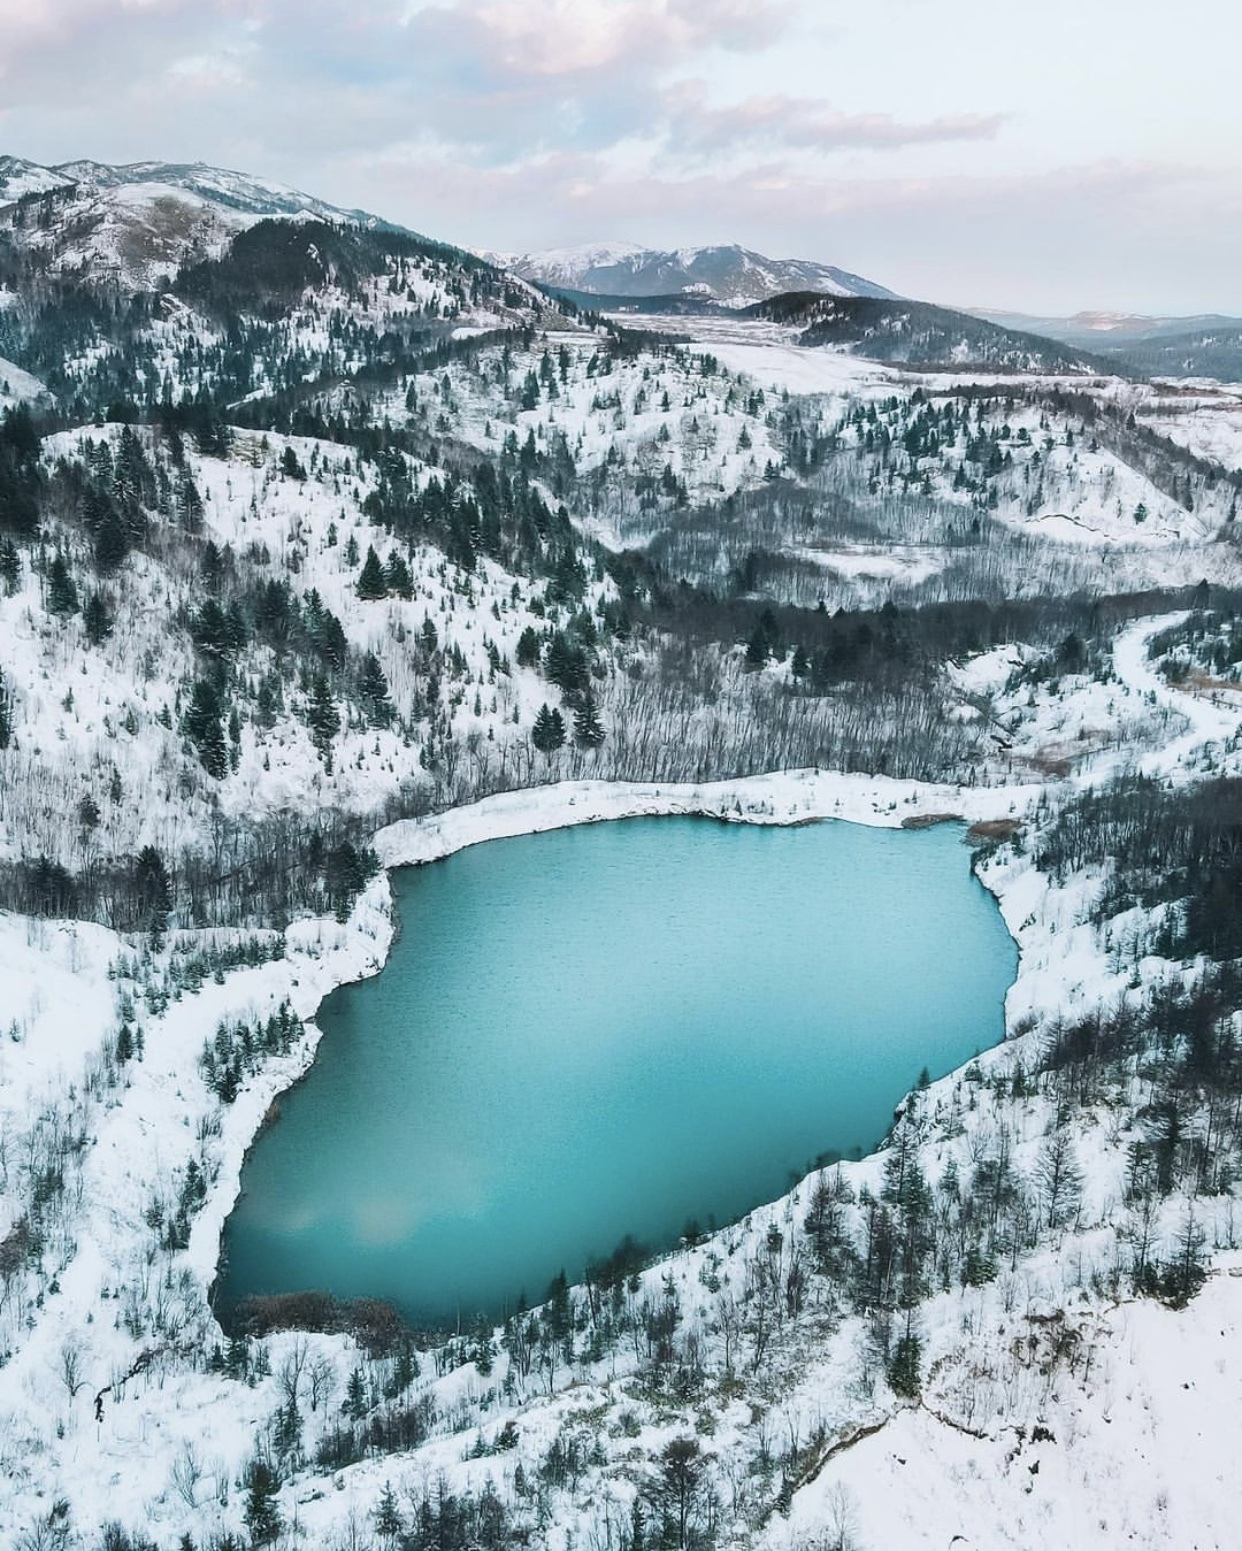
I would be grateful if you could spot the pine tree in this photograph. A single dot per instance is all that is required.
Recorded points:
(529, 648)
(152, 890)
(371, 583)
(397, 576)
(262, 1515)
(96, 620)
(356, 1396)
(201, 725)
(388, 1521)
(903, 1372)
(111, 540)
(588, 729)
(373, 691)
(548, 733)
(62, 592)
(6, 715)
(322, 717)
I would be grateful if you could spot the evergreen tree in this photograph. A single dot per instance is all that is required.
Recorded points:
(371, 583)
(262, 1515)
(548, 733)
(373, 691)
(322, 717)
(397, 576)
(566, 665)
(152, 889)
(903, 1372)
(201, 724)
(529, 648)
(588, 729)
(287, 1434)
(111, 540)
(388, 1521)
(62, 592)
(96, 620)
(356, 1396)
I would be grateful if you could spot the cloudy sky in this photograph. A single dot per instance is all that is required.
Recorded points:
(1050, 157)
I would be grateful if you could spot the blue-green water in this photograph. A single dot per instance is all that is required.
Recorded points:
(610, 1030)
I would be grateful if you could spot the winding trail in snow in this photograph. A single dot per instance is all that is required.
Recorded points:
(1207, 723)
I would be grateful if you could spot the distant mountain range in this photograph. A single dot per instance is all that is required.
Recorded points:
(1207, 345)
(138, 226)
(730, 275)
(1107, 330)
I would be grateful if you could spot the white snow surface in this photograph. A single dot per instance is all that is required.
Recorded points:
(1126, 1451)
(17, 386)
(1129, 1461)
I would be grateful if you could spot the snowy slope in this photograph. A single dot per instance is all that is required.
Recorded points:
(247, 195)
(17, 386)
(20, 178)
(137, 224)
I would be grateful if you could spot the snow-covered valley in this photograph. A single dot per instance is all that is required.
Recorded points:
(421, 561)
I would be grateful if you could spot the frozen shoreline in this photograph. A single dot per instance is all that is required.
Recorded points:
(789, 797)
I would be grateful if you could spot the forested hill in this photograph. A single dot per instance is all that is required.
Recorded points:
(920, 334)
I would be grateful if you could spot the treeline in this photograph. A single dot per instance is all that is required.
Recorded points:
(878, 644)
(1181, 848)
(262, 872)
(1210, 642)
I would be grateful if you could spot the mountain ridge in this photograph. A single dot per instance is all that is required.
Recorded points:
(726, 273)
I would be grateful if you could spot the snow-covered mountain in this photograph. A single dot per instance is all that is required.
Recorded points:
(732, 275)
(233, 190)
(140, 222)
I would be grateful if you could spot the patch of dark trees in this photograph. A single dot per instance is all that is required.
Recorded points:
(264, 872)
(885, 643)
(271, 265)
(919, 334)
(1181, 848)
(377, 1326)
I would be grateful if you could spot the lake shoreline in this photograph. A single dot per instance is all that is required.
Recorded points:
(783, 800)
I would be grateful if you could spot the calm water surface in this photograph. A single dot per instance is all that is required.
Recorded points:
(611, 1030)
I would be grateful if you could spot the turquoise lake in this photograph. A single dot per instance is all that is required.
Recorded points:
(612, 1030)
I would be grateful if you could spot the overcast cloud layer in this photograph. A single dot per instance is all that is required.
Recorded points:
(1077, 154)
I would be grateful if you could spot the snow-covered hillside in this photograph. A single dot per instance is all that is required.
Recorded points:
(137, 224)
(332, 549)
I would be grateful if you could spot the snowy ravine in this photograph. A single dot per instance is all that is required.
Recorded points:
(173, 1440)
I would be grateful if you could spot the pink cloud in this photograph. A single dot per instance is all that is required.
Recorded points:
(807, 123)
(575, 38)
